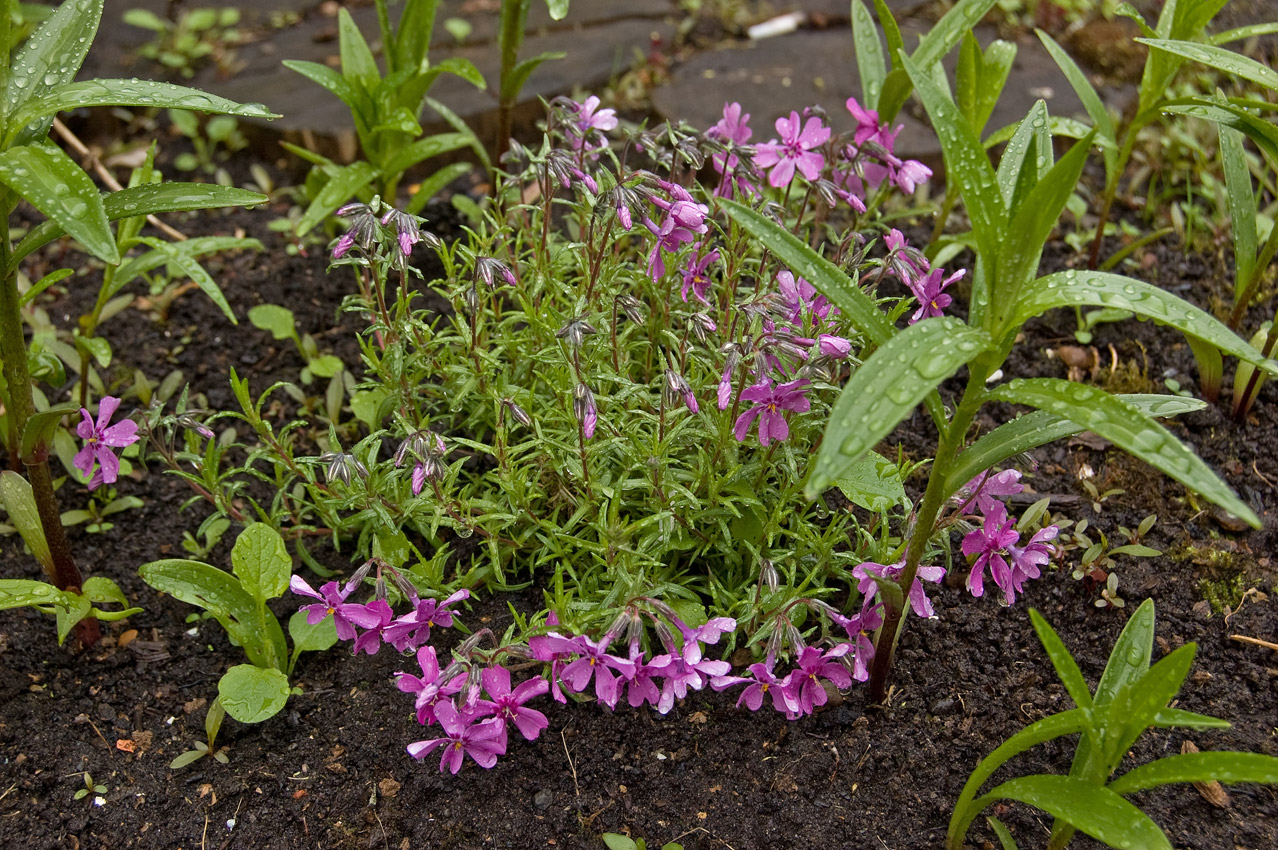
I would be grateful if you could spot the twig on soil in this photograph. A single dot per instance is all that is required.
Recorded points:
(8, 790)
(570, 764)
(1256, 641)
(1261, 476)
(106, 176)
(205, 834)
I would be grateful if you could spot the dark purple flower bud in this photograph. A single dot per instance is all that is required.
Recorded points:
(517, 413)
(575, 331)
(676, 390)
(701, 326)
(407, 230)
(487, 269)
(187, 420)
(341, 465)
(364, 229)
(633, 308)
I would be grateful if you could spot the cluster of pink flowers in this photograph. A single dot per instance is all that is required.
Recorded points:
(926, 283)
(995, 542)
(377, 619)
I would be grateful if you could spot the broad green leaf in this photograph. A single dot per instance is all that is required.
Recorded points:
(19, 504)
(1090, 99)
(252, 694)
(1134, 709)
(52, 183)
(434, 184)
(831, 280)
(308, 638)
(344, 183)
(1219, 58)
(422, 149)
(44, 283)
(260, 561)
(1102, 289)
(1066, 668)
(1056, 126)
(1021, 154)
(197, 247)
(1242, 204)
(273, 318)
(1128, 428)
(1038, 428)
(191, 267)
(966, 162)
(22, 593)
(358, 64)
(514, 84)
(873, 482)
(870, 64)
(1004, 835)
(981, 77)
(412, 36)
(887, 387)
(1092, 809)
(618, 842)
(100, 589)
(1243, 33)
(133, 93)
(1229, 768)
(1260, 131)
(1027, 233)
(40, 427)
(1049, 728)
(325, 366)
(328, 79)
(1129, 659)
(51, 57)
(70, 611)
(948, 31)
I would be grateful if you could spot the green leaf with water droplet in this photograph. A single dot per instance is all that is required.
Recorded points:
(870, 64)
(1079, 289)
(261, 562)
(52, 183)
(253, 694)
(50, 57)
(1127, 427)
(1229, 768)
(830, 280)
(145, 93)
(966, 162)
(1038, 428)
(873, 482)
(1092, 809)
(1091, 101)
(1230, 114)
(1219, 58)
(1242, 204)
(887, 387)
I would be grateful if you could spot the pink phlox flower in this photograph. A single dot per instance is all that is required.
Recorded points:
(918, 598)
(346, 615)
(858, 628)
(681, 673)
(794, 151)
(732, 129)
(990, 544)
(428, 687)
(910, 174)
(813, 665)
(984, 491)
(508, 705)
(99, 439)
(591, 122)
(371, 640)
(769, 401)
(593, 661)
(640, 685)
(798, 296)
(709, 633)
(929, 292)
(695, 278)
(554, 649)
(413, 629)
(483, 741)
(670, 238)
(763, 683)
(867, 121)
(1027, 561)
(733, 126)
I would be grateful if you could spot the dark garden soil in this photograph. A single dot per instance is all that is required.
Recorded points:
(331, 770)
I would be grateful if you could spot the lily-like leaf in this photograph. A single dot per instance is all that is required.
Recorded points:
(52, 183)
(51, 57)
(1092, 809)
(344, 183)
(1085, 288)
(1038, 428)
(1242, 204)
(1128, 428)
(887, 387)
(191, 267)
(1090, 99)
(1219, 58)
(1229, 768)
(1066, 666)
(870, 64)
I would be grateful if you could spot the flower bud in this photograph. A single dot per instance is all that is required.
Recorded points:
(575, 331)
(633, 308)
(517, 413)
(583, 407)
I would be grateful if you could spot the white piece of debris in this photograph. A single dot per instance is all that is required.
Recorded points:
(780, 25)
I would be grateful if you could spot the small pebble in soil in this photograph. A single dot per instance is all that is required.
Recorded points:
(942, 707)
(543, 798)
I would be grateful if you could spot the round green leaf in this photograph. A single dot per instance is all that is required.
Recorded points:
(253, 694)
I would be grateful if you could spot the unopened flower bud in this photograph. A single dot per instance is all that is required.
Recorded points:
(701, 326)
(488, 269)
(583, 407)
(768, 573)
(575, 331)
(517, 413)
(341, 465)
(633, 308)
(794, 637)
(357, 577)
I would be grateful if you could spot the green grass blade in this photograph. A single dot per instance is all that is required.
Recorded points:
(1242, 204)
(870, 64)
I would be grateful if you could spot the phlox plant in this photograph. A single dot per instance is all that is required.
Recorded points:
(38, 81)
(1012, 208)
(1131, 697)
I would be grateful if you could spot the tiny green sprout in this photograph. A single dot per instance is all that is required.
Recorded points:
(91, 787)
